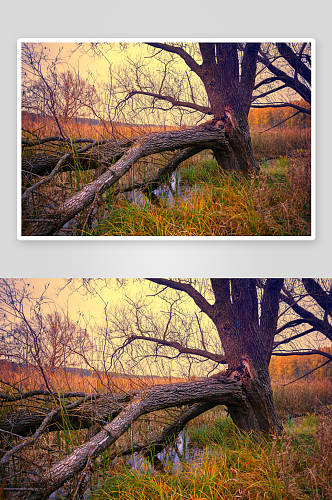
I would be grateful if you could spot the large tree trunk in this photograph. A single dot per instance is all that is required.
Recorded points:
(229, 91)
(246, 330)
(258, 412)
(247, 342)
(97, 411)
(239, 156)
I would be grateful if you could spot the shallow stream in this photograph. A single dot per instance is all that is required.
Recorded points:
(173, 459)
(175, 189)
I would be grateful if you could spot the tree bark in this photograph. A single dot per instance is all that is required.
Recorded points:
(246, 335)
(229, 92)
(98, 411)
(247, 341)
(197, 137)
(221, 391)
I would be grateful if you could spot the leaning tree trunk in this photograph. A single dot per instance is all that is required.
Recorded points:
(229, 90)
(239, 156)
(247, 342)
(258, 412)
(206, 392)
(188, 141)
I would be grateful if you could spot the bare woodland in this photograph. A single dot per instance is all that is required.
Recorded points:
(220, 80)
(198, 325)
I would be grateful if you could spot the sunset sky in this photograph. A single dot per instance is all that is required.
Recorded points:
(76, 59)
(75, 300)
(150, 316)
(120, 65)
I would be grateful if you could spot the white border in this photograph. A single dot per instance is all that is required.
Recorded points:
(174, 238)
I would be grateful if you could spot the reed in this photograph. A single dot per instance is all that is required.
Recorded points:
(275, 202)
(296, 465)
(302, 397)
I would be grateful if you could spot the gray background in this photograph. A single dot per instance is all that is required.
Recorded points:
(161, 19)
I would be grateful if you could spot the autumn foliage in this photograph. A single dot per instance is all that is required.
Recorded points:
(292, 367)
(270, 117)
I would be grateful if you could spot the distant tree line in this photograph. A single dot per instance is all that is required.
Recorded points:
(286, 117)
(292, 367)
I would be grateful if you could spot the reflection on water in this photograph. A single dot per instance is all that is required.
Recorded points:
(172, 459)
(167, 193)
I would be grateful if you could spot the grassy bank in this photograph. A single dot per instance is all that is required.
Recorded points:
(297, 465)
(227, 464)
(275, 202)
(231, 465)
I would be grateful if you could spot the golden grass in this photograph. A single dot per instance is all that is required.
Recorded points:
(280, 142)
(302, 397)
(232, 465)
(47, 127)
(275, 202)
(30, 378)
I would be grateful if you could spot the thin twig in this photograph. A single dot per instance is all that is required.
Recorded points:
(43, 392)
(56, 169)
(39, 431)
(84, 473)
(292, 382)
(274, 126)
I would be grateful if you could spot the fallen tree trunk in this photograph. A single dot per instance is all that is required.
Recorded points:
(95, 411)
(197, 138)
(104, 152)
(168, 434)
(205, 391)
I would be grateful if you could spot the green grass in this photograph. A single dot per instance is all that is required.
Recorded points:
(275, 202)
(232, 465)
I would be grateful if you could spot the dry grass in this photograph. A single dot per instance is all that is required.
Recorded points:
(276, 202)
(227, 465)
(302, 397)
(47, 127)
(280, 142)
(30, 379)
(231, 465)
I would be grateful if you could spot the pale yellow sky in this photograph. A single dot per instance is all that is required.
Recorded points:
(74, 300)
(114, 56)
(93, 308)
(78, 304)
(84, 62)
(112, 66)
(150, 74)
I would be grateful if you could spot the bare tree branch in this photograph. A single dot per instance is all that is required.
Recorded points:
(199, 300)
(183, 350)
(311, 371)
(193, 65)
(203, 109)
(154, 399)
(307, 352)
(154, 143)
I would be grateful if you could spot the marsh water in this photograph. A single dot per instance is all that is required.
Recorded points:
(174, 190)
(168, 193)
(174, 459)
